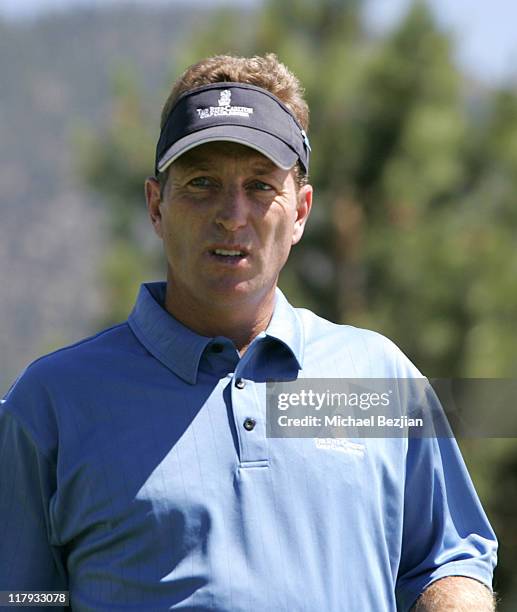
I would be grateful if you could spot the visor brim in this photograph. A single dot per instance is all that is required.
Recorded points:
(268, 145)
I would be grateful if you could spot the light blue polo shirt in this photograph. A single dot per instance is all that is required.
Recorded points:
(135, 471)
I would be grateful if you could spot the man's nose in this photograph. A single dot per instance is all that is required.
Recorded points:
(232, 209)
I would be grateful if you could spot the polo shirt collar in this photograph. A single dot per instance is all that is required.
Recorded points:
(180, 349)
(176, 346)
(286, 326)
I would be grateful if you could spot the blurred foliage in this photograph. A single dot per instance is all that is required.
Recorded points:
(413, 232)
(114, 161)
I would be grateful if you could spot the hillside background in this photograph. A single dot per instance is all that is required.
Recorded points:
(58, 75)
(414, 231)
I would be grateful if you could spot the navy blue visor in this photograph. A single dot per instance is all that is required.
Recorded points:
(233, 112)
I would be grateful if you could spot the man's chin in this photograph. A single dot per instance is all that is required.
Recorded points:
(238, 292)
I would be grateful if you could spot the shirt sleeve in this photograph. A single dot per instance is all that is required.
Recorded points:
(28, 561)
(445, 531)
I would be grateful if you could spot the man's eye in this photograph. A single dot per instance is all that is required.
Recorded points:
(261, 186)
(200, 181)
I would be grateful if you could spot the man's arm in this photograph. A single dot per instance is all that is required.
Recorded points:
(446, 532)
(455, 594)
(28, 561)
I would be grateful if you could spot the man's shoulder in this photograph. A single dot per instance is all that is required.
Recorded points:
(64, 363)
(111, 339)
(317, 327)
(44, 387)
(362, 350)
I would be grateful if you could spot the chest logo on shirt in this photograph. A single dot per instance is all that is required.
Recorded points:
(341, 445)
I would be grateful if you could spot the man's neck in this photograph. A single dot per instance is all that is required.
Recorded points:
(241, 322)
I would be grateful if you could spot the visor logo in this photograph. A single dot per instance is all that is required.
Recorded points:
(225, 98)
(224, 108)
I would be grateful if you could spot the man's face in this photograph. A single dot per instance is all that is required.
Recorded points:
(228, 219)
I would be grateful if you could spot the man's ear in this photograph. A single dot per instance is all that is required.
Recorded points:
(153, 199)
(303, 209)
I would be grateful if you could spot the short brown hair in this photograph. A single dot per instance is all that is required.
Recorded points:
(263, 71)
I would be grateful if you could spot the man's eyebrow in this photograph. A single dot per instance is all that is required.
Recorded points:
(205, 164)
(264, 167)
(193, 165)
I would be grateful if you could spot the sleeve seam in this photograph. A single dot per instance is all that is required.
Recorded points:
(28, 432)
(454, 568)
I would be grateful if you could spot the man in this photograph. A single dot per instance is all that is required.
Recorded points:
(136, 469)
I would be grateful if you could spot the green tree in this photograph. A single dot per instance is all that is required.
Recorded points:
(114, 162)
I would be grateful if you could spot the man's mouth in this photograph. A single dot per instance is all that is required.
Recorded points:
(227, 253)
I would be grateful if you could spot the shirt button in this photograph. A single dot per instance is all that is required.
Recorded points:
(249, 424)
(217, 347)
(240, 384)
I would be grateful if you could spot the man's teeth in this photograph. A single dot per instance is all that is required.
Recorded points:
(227, 253)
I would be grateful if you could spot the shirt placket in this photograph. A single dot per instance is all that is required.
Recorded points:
(249, 414)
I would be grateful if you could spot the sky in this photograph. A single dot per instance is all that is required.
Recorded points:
(484, 31)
